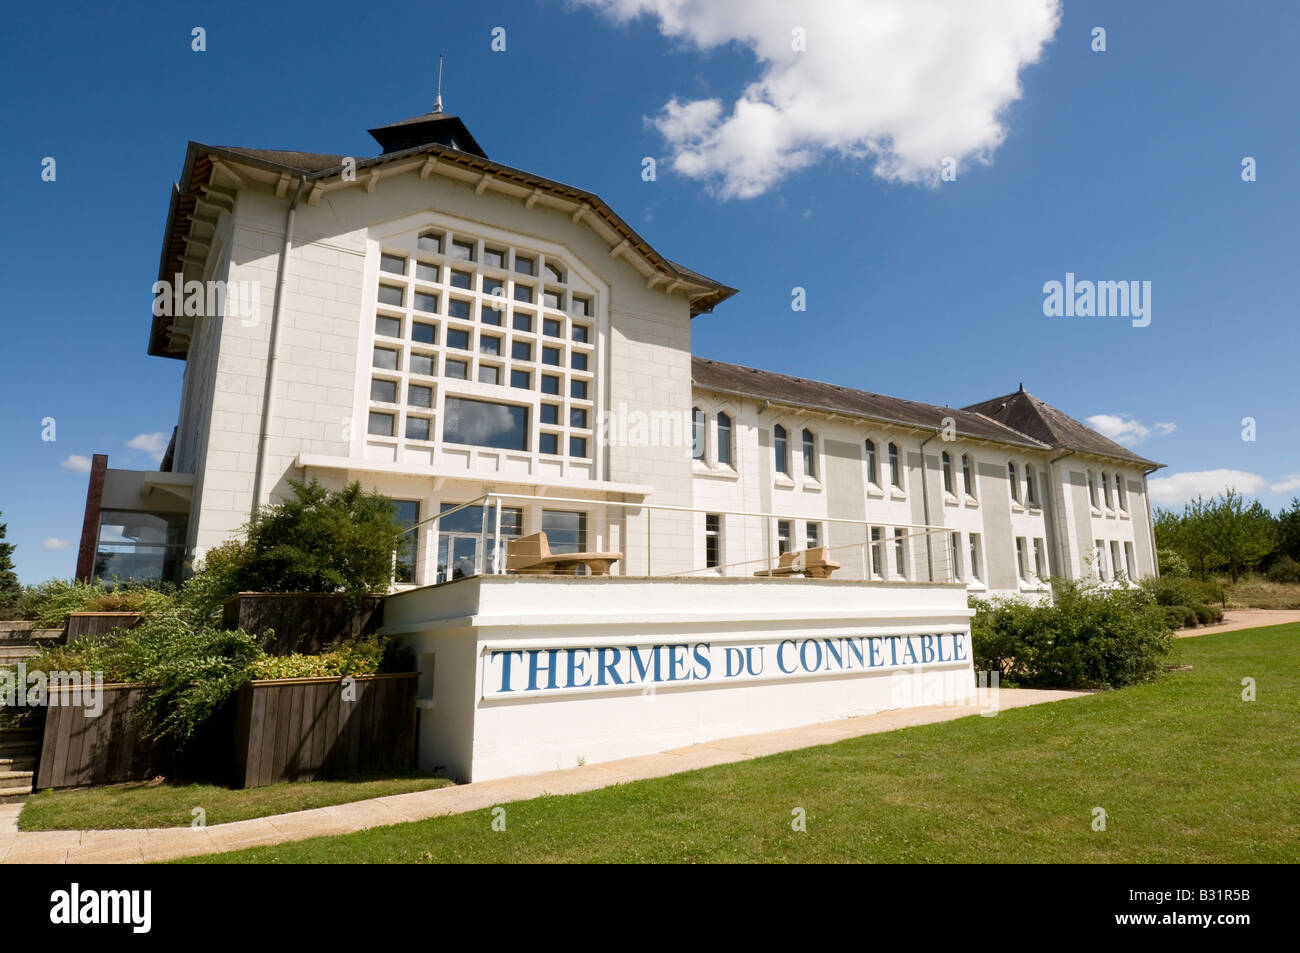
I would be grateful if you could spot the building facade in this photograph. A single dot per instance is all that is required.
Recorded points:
(443, 328)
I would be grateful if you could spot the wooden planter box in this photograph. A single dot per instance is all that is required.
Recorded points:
(305, 729)
(302, 621)
(82, 625)
(294, 729)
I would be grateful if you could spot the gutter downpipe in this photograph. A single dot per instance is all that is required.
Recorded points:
(274, 347)
(925, 506)
(1151, 525)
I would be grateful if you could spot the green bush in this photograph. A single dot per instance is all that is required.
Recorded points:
(1175, 616)
(191, 669)
(365, 656)
(1284, 569)
(1207, 615)
(1089, 637)
(49, 603)
(1172, 564)
(320, 541)
(1176, 591)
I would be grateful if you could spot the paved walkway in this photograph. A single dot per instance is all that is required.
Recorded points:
(1234, 619)
(135, 846)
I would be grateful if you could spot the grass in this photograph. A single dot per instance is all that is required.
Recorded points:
(1186, 770)
(1257, 592)
(163, 804)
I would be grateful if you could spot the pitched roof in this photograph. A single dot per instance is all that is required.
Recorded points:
(1029, 415)
(832, 398)
(436, 126)
(317, 166)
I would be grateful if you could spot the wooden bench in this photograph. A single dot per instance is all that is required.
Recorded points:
(813, 563)
(532, 556)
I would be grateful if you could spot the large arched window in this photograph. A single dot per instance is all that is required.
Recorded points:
(809, 454)
(873, 465)
(781, 447)
(724, 439)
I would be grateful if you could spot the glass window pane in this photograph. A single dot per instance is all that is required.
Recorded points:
(417, 395)
(458, 339)
(487, 374)
(550, 413)
(383, 391)
(552, 328)
(524, 293)
(578, 418)
(422, 333)
(521, 351)
(524, 265)
(565, 532)
(521, 379)
(462, 279)
(578, 389)
(554, 273)
(490, 316)
(462, 251)
(395, 264)
(578, 361)
(582, 306)
(385, 358)
(553, 299)
(457, 308)
(550, 384)
(523, 322)
(551, 355)
(457, 370)
(426, 272)
(487, 344)
(390, 295)
(484, 424)
(579, 333)
(548, 443)
(422, 364)
(578, 447)
(494, 257)
(430, 241)
(381, 425)
(426, 302)
(417, 428)
(388, 327)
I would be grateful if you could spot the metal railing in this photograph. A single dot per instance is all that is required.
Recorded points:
(900, 551)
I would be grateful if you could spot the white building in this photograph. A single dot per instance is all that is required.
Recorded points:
(441, 326)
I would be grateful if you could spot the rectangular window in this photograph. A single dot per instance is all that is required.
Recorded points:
(1116, 565)
(578, 447)
(430, 241)
(976, 572)
(947, 474)
(578, 361)
(390, 295)
(578, 418)
(1129, 561)
(712, 540)
(579, 333)
(566, 532)
(877, 553)
(490, 316)
(1119, 493)
(782, 536)
(417, 428)
(462, 279)
(1040, 559)
(481, 423)
(550, 384)
(900, 552)
(426, 272)
(1015, 484)
(394, 264)
(422, 364)
(381, 425)
(550, 413)
(895, 468)
(814, 534)
(385, 359)
(487, 374)
(456, 370)
(523, 322)
(422, 333)
(408, 514)
(456, 308)
(488, 344)
(388, 327)
(781, 449)
(462, 251)
(582, 306)
(417, 395)
(1100, 549)
(525, 265)
(1105, 485)
(524, 293)
(1020, 558)
(1092, 490)
(809, 454)
(699, 425)
(521, 379)
(955, 554)
(426, 302)
(552, 328)
(873, 465)
(548, 442)
(578, 390)
(551, 356)
(494, 257)
(553, 299)
(724, 440)
(968, 476)
(458, 339)
(521, 350)
(383, 391)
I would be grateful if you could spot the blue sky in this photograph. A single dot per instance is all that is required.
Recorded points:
(1115, 165)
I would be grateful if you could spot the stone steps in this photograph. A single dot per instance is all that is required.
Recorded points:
(19, 748)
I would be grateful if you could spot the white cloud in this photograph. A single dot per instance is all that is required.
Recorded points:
(903, 83)
(1127, 430)
(1287, 484)
(153, 444)
(1179, 488)
(77, 463)
(53, 543)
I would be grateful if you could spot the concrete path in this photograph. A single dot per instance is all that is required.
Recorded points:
(1235, 619)
(135, 846)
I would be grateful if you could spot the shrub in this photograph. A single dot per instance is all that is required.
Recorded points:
(1089, 637)
(1174, 616)
(1207, 615)
(191, 669)
(1174, 591)
(1284, 569)
(49, 603)
(320, 541)
(1172, 564)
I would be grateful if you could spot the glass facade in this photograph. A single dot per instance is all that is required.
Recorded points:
(140, 547)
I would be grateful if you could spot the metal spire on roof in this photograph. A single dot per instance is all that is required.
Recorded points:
(437, 103)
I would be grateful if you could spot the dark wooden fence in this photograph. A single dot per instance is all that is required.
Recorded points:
(302, 621)
(311, 729)
(275, 730)
(83, 624)
(78, 749)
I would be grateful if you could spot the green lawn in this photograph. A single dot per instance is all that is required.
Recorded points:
(172, 805)
(1186, 770)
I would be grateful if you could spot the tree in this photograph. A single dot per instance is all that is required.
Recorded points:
(9, 588)
(1288, 531)
(321, 541)
(1239, 535)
